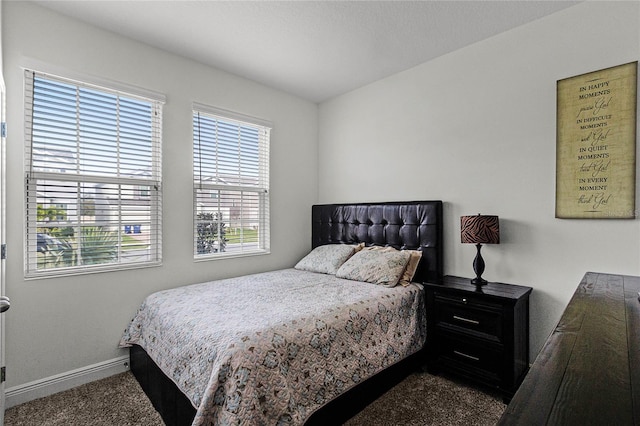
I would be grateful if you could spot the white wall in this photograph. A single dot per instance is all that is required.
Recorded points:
(476, 128)
(57, 325)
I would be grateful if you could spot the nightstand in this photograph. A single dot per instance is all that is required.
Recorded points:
(480, 334)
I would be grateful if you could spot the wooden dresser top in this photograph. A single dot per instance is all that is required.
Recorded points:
(588, 372)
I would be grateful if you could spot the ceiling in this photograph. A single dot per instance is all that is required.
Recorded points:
(312, 49)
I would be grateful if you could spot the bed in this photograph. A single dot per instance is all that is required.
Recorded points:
(207, 354)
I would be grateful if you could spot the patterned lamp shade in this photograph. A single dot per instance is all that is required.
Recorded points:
(480, 229)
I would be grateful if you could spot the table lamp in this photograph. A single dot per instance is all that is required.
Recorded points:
(479, 230)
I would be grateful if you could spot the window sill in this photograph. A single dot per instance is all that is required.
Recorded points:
(208, 257)
(30, 276)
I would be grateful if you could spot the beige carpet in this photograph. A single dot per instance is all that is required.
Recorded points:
(424, 399)
(421, 399)
(116, 400)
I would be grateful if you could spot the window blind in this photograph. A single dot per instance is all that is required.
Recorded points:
(93, 177)
(231, 184)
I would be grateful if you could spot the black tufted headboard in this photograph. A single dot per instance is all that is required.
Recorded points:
(413, 225)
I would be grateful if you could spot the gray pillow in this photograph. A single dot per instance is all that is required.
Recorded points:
(375, 266)
(326, 259)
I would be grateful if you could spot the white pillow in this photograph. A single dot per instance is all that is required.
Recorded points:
(326, 259)
(375, 266)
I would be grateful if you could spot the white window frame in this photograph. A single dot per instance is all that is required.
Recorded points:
(203, 188)
(153, 180)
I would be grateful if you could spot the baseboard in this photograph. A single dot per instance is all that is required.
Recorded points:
(40, 388)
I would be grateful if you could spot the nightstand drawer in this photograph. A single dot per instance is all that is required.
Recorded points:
(467, 315)
(471, 357)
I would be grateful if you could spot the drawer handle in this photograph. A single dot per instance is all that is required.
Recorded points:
(470, 321)
(471, 357)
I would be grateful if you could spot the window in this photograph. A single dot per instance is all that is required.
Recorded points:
(91, 153)
(231, 183)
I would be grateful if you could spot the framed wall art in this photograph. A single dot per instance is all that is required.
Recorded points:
(596, 144)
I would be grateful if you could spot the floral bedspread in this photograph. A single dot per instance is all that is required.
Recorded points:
(272, 348)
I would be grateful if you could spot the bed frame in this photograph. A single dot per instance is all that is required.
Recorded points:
(414, 225)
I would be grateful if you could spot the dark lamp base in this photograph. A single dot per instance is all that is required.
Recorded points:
(478, 268)
(479, 281)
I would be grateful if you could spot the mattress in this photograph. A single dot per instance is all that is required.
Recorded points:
(272, 348)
